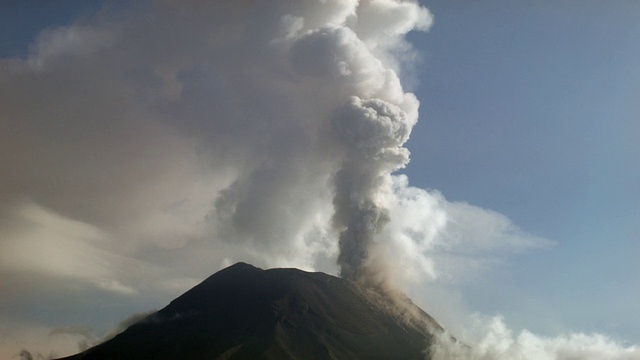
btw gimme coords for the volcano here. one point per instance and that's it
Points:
(243, 312)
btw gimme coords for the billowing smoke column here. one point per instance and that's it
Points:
(372, 132)
(370, 120)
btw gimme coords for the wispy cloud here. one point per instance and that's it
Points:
(46, 244)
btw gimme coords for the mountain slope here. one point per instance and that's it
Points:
(243, 312)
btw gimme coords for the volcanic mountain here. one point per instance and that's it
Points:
(243, 312)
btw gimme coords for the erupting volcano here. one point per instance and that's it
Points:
(243, 312)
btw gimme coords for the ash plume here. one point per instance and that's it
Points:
(372, 133)
(371, 121)
(25, 355)
(269, 129)
(149, 144)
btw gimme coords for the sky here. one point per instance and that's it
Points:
(532, 110)
(147, 145)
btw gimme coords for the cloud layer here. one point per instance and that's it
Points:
(497, 342)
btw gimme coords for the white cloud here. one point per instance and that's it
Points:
(382, 22)
(495, 341)
(433, 239)
(42, 242)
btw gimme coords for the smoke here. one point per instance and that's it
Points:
(372, 132)
(90, 339)
(269, 130)
(145, 147)
(153, 144)
(25, 355)
(122, 326)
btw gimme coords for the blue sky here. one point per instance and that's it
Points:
(23, 20)
(531, 110)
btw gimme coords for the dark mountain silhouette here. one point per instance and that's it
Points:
(243, 312)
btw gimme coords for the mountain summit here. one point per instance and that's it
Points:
(243, 312)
